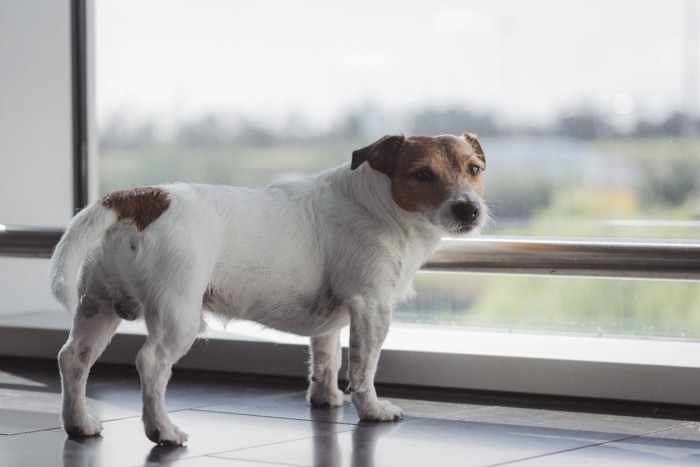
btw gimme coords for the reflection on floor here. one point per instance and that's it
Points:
(242, 421)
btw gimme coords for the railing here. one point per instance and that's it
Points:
(598, 257)
(653, 259)
(27, 241)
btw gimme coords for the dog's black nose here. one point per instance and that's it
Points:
(465, 212)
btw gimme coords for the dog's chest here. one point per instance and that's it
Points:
(415, 255)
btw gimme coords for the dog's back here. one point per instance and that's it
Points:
(260, 250)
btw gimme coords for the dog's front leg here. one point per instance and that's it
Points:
(326, 355)
(368, 328)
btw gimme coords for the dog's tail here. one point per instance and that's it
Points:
(82, 232)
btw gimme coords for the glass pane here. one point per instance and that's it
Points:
(587, 112)
(639, 308)
(587, 109)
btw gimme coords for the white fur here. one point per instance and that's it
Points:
(307, 257)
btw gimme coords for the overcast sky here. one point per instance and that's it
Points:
(526, 59)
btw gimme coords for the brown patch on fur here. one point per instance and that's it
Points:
(140, 206)
(449, 159)
(381, 155)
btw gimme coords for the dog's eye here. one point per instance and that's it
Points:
(474, 169)
(424, 175)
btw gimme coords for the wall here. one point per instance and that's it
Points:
(35, 137)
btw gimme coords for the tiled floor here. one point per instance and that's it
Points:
(256, 423)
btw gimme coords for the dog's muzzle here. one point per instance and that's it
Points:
(466, 214)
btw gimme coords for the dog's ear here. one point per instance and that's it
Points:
(474, 143)
(381, 154)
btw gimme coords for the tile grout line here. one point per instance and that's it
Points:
(60, 427)
(215, 454)
(549, 454)
(274, 416)
(684, 425)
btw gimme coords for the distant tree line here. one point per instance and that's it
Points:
(120, 131)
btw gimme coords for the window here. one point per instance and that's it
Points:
(586, 111)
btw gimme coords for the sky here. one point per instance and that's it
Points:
(315, 59)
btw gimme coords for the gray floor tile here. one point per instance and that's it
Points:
(46, 448)
(441, 410)
(13, 422)
(209, 461)
(616, 426)
(421, 442)
(23, 411)
(678, 447)
(30, 398)
(235, 421)
(689, 431)
(184, 392)
(123, 442)
(293, 406)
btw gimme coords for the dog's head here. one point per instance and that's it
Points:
(439, 177)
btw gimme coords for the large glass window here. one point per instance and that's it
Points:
(586, 110)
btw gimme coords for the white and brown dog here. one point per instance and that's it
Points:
(307, 257)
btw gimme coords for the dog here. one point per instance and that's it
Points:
(309, 257)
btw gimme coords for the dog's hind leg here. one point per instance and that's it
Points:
(94, 325)
(172, 328)
(326, 355)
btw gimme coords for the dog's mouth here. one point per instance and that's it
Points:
(467, 228)
(461, 220)
(458, 228)
(451, 226)
(456, 219)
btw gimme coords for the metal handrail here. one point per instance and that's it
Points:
(586, 257)
(596, 257)
(32, 242)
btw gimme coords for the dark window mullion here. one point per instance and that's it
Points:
(79, 102)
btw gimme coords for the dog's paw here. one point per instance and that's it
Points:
(319, 396)
(379, 411)
(386, 412)
(167, 436)
(86, 426)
